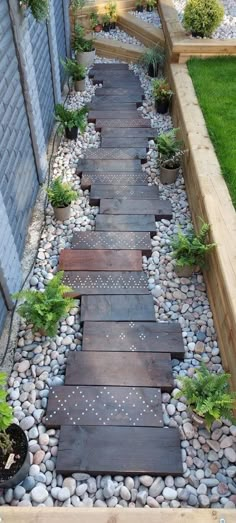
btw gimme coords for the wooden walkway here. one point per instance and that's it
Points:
(109, 409)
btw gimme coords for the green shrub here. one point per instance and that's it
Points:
(161, 90)
(45, 309)
(111, 10)
(6, 416)
(203, 16)
(169, 149)
(190, 249)
(153, 56)
(73, 69)
(61, 194)
(80, 44)
(94, 19)
(69, 119)
(151, 3)
(38, 8)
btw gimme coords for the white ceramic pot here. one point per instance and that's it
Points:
(62, 213)
(80, 85)
(86, 58)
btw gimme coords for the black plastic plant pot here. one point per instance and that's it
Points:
(195, 34)
(162, 106)
(139, 8)
(149, 8)
(71, 134)
(14, 467)
(153, 72)
(113, 25)
(106, 28)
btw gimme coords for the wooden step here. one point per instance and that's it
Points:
(118, 107)
(100, 101)
(109, 178)
(94, 115)
(144, 32)
(161, 209)
(108, 67)
(117, 308)
(134, 337)
(121, 369)
(138, 192)
(112, 240)
(130, 122)
(103, 260)
(124, 142)
(119, 450)
(131, 83)
(104, 406)
(120, 91)
(116, 153)
(126, 223)
(122, 51)
(131, 132)
(86, 283)
(109, 165)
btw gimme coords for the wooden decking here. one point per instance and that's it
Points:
(109, 409)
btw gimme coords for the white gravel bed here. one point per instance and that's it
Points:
(150, 17)
(119, 35)
(209, 458)
(227, 28)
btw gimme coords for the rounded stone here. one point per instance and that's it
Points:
(129, 483)
(169, 493)
(19, 492)
(81, 489)
(70, 483)
(230, 454)
(63, 494)
(44, 439)
(39, 493)
(125, 493)
(151, 502)
(27, 423)
(189, 430)
(156, 488)
(23, 366)
(147, 481)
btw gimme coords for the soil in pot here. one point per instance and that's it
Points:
(80, 85)
(162, 106)
(168, 175)
(17, 472)
(71, 134)
(86, 58)
(62, 213)
(106, 28)
(152, 72)
(186, 271)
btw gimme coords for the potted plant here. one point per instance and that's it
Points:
(169, 155)
(111, 10)
(61, 195)
(83, 47)
(152, 59)
(162, 95)
(77, 72)
(14, 454)
(71, 121)
(94, 21)
(44, 309)
(208, 396)
(139, 6)
(106, 23)
(150, 5)
(190, 250)
(202, 17)
(38, 8)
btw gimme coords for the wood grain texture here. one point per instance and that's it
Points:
(132, 106)
(111, 178)
(102, 260)
(93, 115)
(126, 222)
(109, 166)
(99, 192)
(116, 153)
(116, 122)
(117, 308)
(159, 208)
(131, 132)
(124, 142)
(112, 240)
(124, 90)
(116, 100)
(115, 282)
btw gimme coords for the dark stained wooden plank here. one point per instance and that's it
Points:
(119, 191)
(102, 260)
(112, 240)
(119, 450)
(116, 100)
(121, 369)
(130, 132)
(109, 165)
(134, 337)
(124, 142)
(104, 406)
(93, 115)
(128, 222)
(121, 91)
(86, 283)
(117, 308)
(116, 153)
(118, 107)
(137, 178)
(127, 82)
(122, 122)
(159, 208)
(109, 67)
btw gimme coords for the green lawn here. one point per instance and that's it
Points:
(214, 80)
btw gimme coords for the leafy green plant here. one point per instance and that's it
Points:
(106, 19)
(61, 194)
(70, 119)
(208, 395)
(94, 19)
(151, 3)
(111, 10)
(45, 309)
(153, 57)
(191, 249)
(161, 90)
(77, 4)
(169, 149)
(38, 8)
(73, 69)
(203, 16)
(80, 43)
(6, 416)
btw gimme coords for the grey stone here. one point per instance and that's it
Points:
(92, 486)
(27, 423)
(125, 493)
(19, 492)
(100, 504)
(39, 494)
(70, 483)
(192, 500)
(169, 493)
(156, 488)
(112, 502)
(230, 454)
(189, 430)
(146, 480)
(109, 489)
(153, 503)
(142, 497)
(63, 494)
(81, 489)
(129, 483)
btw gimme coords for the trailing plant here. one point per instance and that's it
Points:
(6, 416)
(94, 19)
(153, 56)
(73, 69)
(203, 16)
(161, 89)
(208, 395)
(61, 194)
(80, 44)
(169, 149)
(45, 309)
(111, 10)
(191, 249)
(69, 119)
(38, 8)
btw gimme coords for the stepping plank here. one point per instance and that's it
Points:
(121, 369)
(109, 165)
(117, 308)
(104, 406)
(93, 115)
(124, 142)
(118, 107)
(104, 260)
(131, 98)
(119, 450)
(116, 153)
(112, 240)
(134, 223)
(130, 132)
(120, 91)
(109, 67)
(159, 208)
(134, 337)
(137, 178)
(127, 83)
(131, 122)
(119, 191)
(86, 283)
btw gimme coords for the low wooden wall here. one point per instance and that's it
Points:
(181, 47)
(119, 50)
(209, 198)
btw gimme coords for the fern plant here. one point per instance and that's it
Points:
(6, 416)
(208, 395)
(70, 119)
(169, 149)
(38, 8)
(191, 249)
(73, 69)
(45, 309)
(60, 194)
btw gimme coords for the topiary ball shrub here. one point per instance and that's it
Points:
(202, 17)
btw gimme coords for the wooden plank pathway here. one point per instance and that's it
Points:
(109, 409)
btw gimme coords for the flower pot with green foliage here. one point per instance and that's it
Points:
(77, 72)
(162, 95)
(152, 59)
(208, 396)
(14, 453)
(71, 121)
(61, 195)
(83, 47)
(44, 309)
(150, 5)
(169, 155)
(190, 250)
(111, 11)
(202, 17)
(95, 22)
(140, 6)
(39, 8)
(106, 23)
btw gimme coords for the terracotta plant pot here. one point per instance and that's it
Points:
(80, 85)
(10, 477)
(62, 213)
(71, 134)
(186, 271)
(162, 106)
(168, 175)
(98, 28)
(86, 58)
